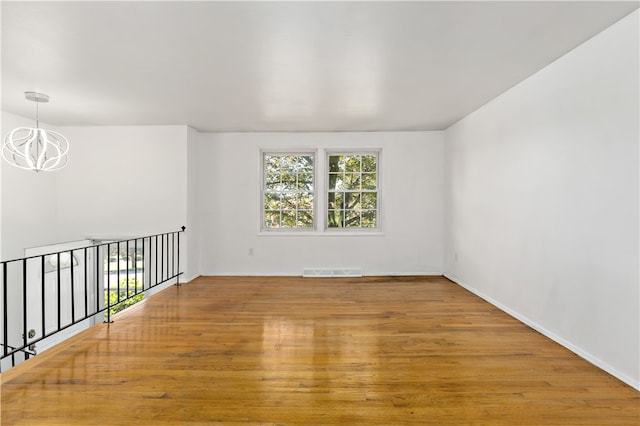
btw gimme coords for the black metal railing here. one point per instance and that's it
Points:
(47, 294)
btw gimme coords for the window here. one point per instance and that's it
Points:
(288, 199)
(352, 200)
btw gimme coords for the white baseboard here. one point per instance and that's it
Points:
(184, 279)
(551, 335)
(299, 274)
(405, 274)
(251, 274)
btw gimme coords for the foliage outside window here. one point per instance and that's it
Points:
(119, 262)
(288, 191)
(353, 191)
(130, 293)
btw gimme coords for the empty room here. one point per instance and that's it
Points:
(320, 213)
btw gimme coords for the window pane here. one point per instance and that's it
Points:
(369, 181)
(305, 181)
(336, 163)
(369, 219)
(305, 201)
(288, 190)
(336, 200)
(272, 181)
(352, 181)
(369, 200)
(288, 200)
(305, 219)
(288, 219)
(288, 163)
(272, 201)
(288, 181)
(352, 219)
(352, 163)
(369, 163)
(306, 163)
(336, 182)
(272, 164)
(271, 219)
(352, 198)
(335, 218)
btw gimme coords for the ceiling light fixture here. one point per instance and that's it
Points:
(35, 149)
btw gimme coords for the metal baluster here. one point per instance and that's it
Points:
(73, 291)
(178, 263)
(59, 293)
(5, 305)
(173, 253)
(44, 294)
(135, 264)
(143, 264)
(127, 248)
(24, 303)
(156, 277)
(107, 301)
(161, 258)
(95, 261)
(86, 288)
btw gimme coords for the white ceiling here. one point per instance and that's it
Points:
(282, 66)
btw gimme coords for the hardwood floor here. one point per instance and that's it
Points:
(293, 351)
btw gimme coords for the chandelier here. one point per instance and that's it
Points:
(35, 148)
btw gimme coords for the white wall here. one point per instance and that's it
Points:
(412, 184)
(28, 218)
(120, 182)
(123, 181)
(542, 201)
(192, 257)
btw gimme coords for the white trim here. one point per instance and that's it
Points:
(252, 274)
(157, 289)
(406, 274)
(372, 232)
(287, 151)
(299, 274)
(378, 191)
(551, 335)
(56, 247)
(184, 280)
(320, 200)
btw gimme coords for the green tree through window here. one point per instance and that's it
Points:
(353, 191)
(288, 191)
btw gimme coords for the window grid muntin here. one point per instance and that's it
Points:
(336, 192)
(294, 181)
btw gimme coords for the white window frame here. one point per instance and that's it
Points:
(325, 208)
(294, 151)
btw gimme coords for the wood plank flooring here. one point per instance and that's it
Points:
(293, 351)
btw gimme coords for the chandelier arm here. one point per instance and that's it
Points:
(62, 142)
(27, 150)
(41, 142)
(20, 141)
(55, 158)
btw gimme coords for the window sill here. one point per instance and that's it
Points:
(328, 233)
